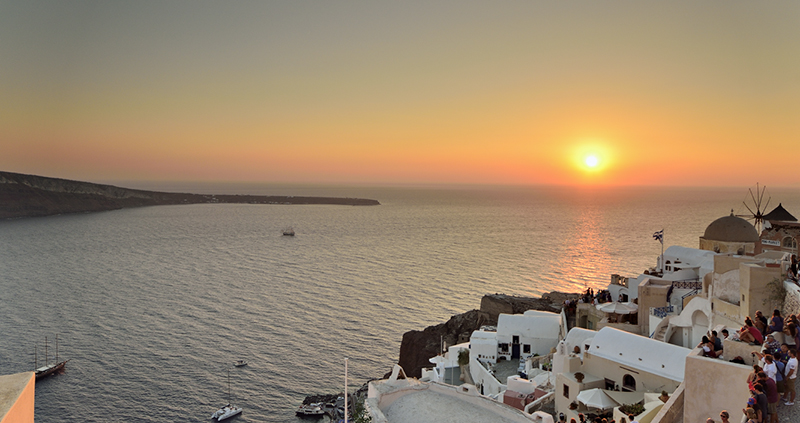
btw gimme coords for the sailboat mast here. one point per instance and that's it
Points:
(56, 348)
(35, 357)
(229, 386)
(45, 351)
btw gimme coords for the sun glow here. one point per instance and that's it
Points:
(592, 159)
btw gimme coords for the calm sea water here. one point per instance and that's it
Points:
(153, 305)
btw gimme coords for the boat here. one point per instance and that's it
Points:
(240, 363)
(310, 410)
(288, 232)
(228, 410)
(225, 412)
(47, 369)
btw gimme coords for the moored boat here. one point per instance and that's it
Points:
(47, 369)
(225, 412)
(310, 410)
(228, 410)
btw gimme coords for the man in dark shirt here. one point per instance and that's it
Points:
(771, 391)
(761, 402)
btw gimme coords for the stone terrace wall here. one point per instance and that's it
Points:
(713, 385)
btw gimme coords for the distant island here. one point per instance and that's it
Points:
(32, 196)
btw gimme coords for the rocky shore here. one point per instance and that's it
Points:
(418, 346)
(32, 196)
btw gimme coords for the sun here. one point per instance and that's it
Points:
(592, 161)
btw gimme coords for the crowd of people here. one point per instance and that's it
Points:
(590, 297)
(774, 376)
(771, 334)
(583, 419)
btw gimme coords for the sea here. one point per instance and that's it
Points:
(153, 305)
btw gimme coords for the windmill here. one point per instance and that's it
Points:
(757, 207)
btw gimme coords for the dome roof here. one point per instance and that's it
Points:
(731, 229)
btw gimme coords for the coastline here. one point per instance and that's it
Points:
(37, 196)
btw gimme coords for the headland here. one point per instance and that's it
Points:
(34, 196)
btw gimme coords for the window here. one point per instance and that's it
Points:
(526, 349)
(628, 383)
(566, 391)
(515, 339)
(789, 242)
(504, 348)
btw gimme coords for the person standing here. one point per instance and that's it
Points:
(771, 391)
(768, 364)
(791, 376)
(761, 402)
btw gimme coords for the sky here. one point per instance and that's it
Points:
(679, 93)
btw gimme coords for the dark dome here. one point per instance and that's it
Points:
(731, 229)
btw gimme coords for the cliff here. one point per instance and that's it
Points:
(418, 346)
(30, 196)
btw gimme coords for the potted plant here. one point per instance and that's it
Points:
(579, 377)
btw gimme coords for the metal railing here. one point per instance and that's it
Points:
(688, 284)
(661, 312)
(690, 293)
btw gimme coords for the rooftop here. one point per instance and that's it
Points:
(656, 357)
(421, 402)
(731, 229)
(12, 388)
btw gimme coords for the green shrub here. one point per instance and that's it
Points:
(463, 357)
(635, 409)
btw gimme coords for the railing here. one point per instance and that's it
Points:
(688, 284)
(693, 284)
(661, 312)
(690, 293)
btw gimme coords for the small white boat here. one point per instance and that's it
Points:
(226, 412)
(313, 409)
(240, 363)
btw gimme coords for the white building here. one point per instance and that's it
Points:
(680, 264)
(518, 335)
(614, 360)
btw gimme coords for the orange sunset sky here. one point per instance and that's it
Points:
(660, 93)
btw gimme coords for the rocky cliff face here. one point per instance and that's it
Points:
(418, 346)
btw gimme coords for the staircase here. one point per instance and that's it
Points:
(661, 330)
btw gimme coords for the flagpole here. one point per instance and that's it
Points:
(659, 236)
(662, 252)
